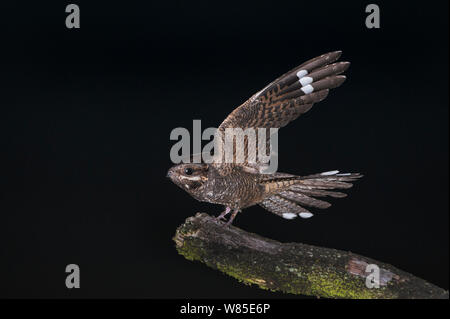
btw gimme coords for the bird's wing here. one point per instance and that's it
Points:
(279, 103)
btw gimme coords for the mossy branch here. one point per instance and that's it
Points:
(293, 267)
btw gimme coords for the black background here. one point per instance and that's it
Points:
(86, 115)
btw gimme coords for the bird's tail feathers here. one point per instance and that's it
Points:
(294, 192)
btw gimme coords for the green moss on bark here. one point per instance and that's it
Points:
(293, 267)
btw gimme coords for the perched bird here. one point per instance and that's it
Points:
(241, 185)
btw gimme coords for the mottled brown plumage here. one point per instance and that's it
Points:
(240, 185)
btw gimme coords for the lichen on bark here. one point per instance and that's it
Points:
(293, 267)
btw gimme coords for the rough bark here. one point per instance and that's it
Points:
(293, 267)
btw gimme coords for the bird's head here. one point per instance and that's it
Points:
(191, 177)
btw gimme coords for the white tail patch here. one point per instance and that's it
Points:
(305, 215)
(329, 173)
(289, 215)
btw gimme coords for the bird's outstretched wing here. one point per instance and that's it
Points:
(279, 103)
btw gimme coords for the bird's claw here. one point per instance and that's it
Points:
(223, 214)
(228, 223)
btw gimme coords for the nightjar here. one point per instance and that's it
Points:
(241, 185)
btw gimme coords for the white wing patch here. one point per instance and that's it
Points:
(306, 80)
(307, 89)
(301, 73)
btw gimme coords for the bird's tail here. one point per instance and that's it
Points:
(294, 192)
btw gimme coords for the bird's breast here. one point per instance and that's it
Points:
(234, 190)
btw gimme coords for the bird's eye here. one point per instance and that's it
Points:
(188, 171)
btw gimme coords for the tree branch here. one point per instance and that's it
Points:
(293, 267)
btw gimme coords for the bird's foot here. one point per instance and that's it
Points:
(230, 221)
(223, 214)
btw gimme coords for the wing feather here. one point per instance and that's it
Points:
(279, 103)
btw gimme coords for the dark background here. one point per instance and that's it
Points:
(86, 115)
